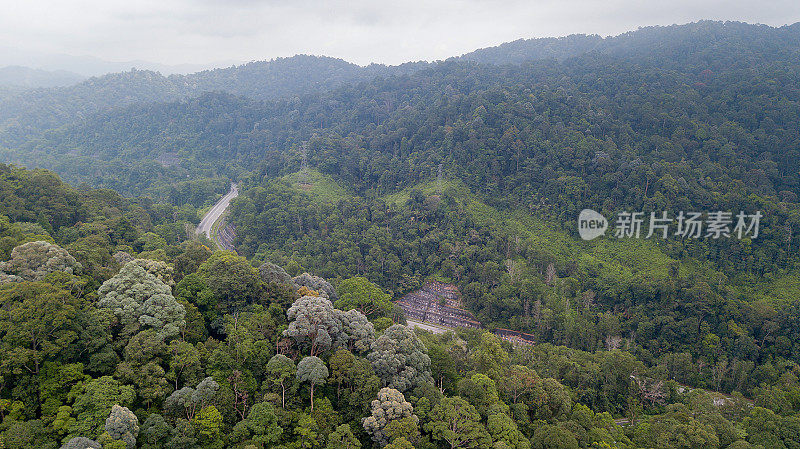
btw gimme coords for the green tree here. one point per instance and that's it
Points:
(142, 366)
(443, 367)
(481, 392)
(343, 438)
(503, 429)
(37, 324)
(456, 422)
(307, 433)
(30, 434)
(184, 363)
(490, 356)
(356, 382)
(231, 283)
(326, 417)
(208, 424)
(360, 294)
(260, 426)
(279, 372)
(517, 382)
(399, 443)
(549, 436)
(187, 401)
(312, 370)
(184, 435)
(391, 406)
(342, 363)
(195, 329)
(400, 359)
(121, 425)
(139, 299)
(549, 400)
(94, 404)
(676, 428)
(154, 432)
(193, 254)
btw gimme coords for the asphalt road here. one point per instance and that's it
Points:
(216, 212)
(435, 329)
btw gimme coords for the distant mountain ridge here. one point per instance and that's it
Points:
(707, 38)
(26, 113)
(604, 91)
(713, 44)
(285, 77)
(26, 77)
(88, 66)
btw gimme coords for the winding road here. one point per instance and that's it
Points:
(215, 213)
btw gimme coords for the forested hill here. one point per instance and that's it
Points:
(26, 113)
(26, 77)
(545, 138)
(519, 133)
(716, 44)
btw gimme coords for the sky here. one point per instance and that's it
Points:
(221, 32)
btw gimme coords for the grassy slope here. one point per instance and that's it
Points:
(620, 262)
(318, 186)
(614, 262)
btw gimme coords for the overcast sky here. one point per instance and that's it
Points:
(360, 31)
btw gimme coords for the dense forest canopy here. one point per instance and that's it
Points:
(359, 184)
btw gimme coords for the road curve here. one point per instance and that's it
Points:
(216, 212)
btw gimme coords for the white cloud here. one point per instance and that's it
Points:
(361, 31)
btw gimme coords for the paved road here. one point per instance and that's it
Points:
(216, 212)
(425, 326)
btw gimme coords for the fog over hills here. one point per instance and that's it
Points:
(87, 66)
(718, 44)
(26, 77)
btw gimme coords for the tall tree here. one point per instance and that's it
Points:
(313, 323)
(33, 261)
(360, 294)
(356, 333)
(390, 407)
(343, 438)
(280, 369)
(400, 359)
(312, 370)
(37, 323)
(121, 425)
(260, 426)
(140, 299)
(456, 421)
